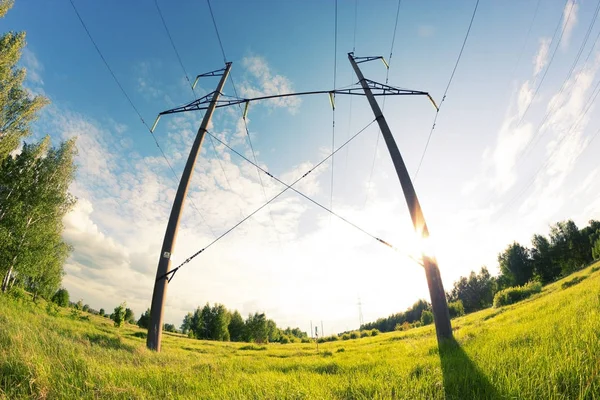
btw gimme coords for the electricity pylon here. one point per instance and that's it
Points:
(441, 315)
(154, 339)
(209, 103)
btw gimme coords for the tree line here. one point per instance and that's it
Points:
(563, 251)
(219, 323)
(34, 183)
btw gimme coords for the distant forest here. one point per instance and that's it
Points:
(565, 250)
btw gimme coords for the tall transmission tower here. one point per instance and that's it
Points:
(209, 103)
(437, 294)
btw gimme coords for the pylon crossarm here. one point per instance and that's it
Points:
(379, 89)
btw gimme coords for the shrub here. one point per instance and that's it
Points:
(354, 335)
(321, 340)
(305, 340)
(365, 333)
(572, 282)
(375, 332)
(456, 308)
(332, 338)
(61, 297)
(52, 309)
(86, 308)
(403, 326)
(340, 350)
(596, 268)
(284, 339)
(346, 336)
(426, 317)
(119, 315)
(515, 294)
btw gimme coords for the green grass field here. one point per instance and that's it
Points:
(546, 347)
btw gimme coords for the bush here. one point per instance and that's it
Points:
(354, 335)
(403, 326)
(426, 317)
(515, 294)
(365, 333)
(375, 332)
(456, 308)
(572, 282)
(305, 340)
(52, 309)
(340, 350)
(284, 339)
(346, 336)
(119, 315)
(61, 297)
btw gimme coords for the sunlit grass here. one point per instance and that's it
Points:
(545, 347)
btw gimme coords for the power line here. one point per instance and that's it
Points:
(243, 116)
(173, 45)
(217, 156)
(564, 83)
(133, 106)
(550, 61)
(333, 102)
(590, 101)
(446, 91)
(387, 75)
(169, 275)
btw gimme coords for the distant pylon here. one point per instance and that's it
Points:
(361, 321)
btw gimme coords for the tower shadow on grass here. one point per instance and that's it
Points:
(462, 378)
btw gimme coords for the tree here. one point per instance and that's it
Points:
(426, 317)
(61, 297)
(144, 320)
(18, 108)
(129, 316)
(273, 332)
(79, 305)
(236, 327)
(118, 316)
(515, 264)
(256, 328)
(86, 308)
(186, 325)
(475, 292)
(169, 328)
(544, 265)
(570, 248)
(101, 312)
(34, 198)
(596, 250)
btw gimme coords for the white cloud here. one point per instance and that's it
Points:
(541, 58)
(426, 31)
(264, 82)
(569, 21)
(33, 66)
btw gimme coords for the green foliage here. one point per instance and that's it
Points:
(374, 332)
(236, 327)
(365, 334)
(354, 335)
(426, 317)
(572, 282)
(390, 323)
(515, 264)
(475, 292)
(346, 336)
(456, 308)
(129, 316)
(169, 328)
(79, 305)
(52, 309)
(515, 294)
(144, 321)
(596, 250)
(17, 107)
(101, 312)
(61, 297)
(118, 316)
(86, 308)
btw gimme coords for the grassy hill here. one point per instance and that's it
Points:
(546, 347)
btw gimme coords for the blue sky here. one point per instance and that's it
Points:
(479, 184)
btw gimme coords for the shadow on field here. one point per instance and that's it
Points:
(462, 378)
